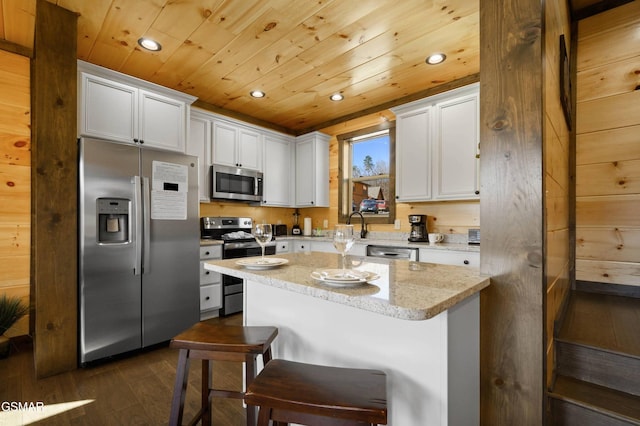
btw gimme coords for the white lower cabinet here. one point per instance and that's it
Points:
(358, 249)
(450, 257)
(301, 246)
(283, 246)
(210, 283)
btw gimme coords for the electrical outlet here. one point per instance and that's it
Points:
(325, 223)
(396, 224)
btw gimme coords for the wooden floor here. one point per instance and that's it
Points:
(604, 321)
(135, 390)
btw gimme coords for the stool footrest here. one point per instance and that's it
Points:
(221, 393)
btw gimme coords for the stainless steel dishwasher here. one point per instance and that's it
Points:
(392, 252)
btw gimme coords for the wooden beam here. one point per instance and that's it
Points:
(512, 353)
(54, 251)
(16, 48)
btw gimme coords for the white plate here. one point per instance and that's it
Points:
(337, 277)
(258, 263)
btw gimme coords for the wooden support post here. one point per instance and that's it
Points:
(54, 174)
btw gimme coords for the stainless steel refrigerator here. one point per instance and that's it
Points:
(139, 247)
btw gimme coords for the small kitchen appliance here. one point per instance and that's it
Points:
(296, 228)
(235, 183)
(419, 233)
(237, 242)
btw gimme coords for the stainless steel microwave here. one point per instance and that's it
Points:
(234, 183)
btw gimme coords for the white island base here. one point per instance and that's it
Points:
(432, 365)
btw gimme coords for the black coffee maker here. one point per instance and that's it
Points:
(419, 233)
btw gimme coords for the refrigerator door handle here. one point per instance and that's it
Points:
(146, 255)
(137, 185)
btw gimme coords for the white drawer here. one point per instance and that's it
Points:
(210, 297)
(211, 252)
(300, 246)
(208, 277)
(282, 246)
(450, 257)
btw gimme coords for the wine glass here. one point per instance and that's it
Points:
(262, 233)
(343, 241)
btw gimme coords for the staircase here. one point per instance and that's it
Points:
(598, 360)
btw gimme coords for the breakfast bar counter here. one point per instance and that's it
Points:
(419, 322)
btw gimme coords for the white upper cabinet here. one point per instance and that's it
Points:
(456, 149)
(413, 155)
(312, 170)
(117, 107)
(199, 144)
(278, 171)
(222, 140)
(236, 145)
(437, 147)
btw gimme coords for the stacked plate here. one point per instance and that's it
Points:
(343, 278)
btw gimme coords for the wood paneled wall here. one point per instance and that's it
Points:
(608, 147)
(558, 167)
(15, 182)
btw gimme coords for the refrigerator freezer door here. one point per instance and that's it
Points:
(171, 280)
(109, 290)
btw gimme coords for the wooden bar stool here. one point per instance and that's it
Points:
(314, 395)
(218, 343)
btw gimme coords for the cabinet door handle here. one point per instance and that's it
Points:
(207, 298)
(207, 253)
(207, 272)
(136, 140)
(477, 192)
(466, 262)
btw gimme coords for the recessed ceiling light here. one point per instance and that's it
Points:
(149, 44)
(257, 94)
(336, 97)
(436, 58)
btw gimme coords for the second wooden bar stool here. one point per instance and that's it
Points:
(218, 343)
(314, 395)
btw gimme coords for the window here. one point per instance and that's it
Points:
(367, 173)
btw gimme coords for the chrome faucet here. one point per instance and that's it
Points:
(363, 229)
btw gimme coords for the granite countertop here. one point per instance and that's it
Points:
(405, 290)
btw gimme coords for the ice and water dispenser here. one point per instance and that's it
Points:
(114, 215)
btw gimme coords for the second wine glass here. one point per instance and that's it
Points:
(343, 241)
(262, 233)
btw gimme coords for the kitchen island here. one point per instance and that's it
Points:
(419, 322)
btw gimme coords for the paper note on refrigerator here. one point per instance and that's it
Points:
(169, 190)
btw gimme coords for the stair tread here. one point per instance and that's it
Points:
(603, 321)
(598, 398)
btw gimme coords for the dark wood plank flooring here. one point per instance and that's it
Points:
(134, 390)
(603, 321)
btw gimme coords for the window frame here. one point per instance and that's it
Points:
(344, 141)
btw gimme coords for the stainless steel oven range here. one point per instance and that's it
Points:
(235, 233)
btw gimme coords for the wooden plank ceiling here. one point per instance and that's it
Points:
(298, 51)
